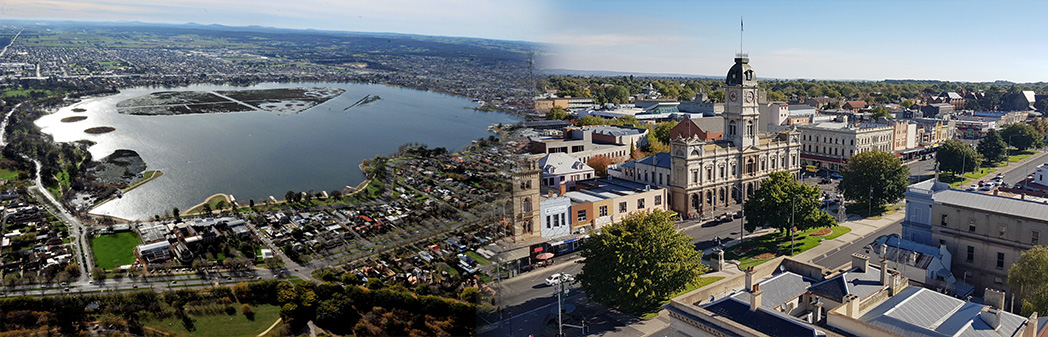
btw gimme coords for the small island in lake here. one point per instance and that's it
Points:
(367, 99)
(73, 119)
(79, 109)
(100, 130)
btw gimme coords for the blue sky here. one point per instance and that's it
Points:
(870, 40)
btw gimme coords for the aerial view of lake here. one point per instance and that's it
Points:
(257, 154)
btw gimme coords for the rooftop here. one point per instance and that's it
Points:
(768, 323)
(852, 282)
(996, 204)
(921, 312)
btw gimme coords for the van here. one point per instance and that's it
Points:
(811, 168)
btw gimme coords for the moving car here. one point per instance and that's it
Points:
(557, 278)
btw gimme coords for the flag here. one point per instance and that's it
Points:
(742, 26)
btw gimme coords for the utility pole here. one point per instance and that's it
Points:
(793, 209)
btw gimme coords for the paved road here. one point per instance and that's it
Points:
(843, 255)
(1016, 173)
(76, 229)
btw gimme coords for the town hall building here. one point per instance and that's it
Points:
(707, 172)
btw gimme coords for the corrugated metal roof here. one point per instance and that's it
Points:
(766, 322)
(994, 204)
(778, 289)
(921, 312)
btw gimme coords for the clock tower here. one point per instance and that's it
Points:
(741, 113)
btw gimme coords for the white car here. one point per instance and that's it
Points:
(557, 278)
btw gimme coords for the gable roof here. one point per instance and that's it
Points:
(660, 159)
(921, 312)
(708, 128)
(992, 203)
(850, 282)
(856, 104)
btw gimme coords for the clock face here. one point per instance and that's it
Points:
(732, 96)
(749, 96)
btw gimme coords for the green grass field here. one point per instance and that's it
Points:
(114, 250)
(8, 174)
(222, 325)
(777, 244)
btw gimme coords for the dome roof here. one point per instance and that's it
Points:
(741, 73)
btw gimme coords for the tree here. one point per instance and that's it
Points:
(289, 197)
(992, 147)
(775, 96)
(206, 209)
(637, 264)
(251, 203)
(780, 197)
(98, 273)
(248, 311)
(972, 105)
(174, 212)
(875, 178)
(591, 120)
(557, 113)
(957, 157)
(662, 131)
(907, 103)
(221, 204)
(1028, 278)
(880, 112)
(1022, 136)
(470, 295)
(1040, 123)
(599, 163)
(336, 195)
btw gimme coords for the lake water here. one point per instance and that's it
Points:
(253, 155)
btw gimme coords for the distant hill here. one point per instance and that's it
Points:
(575, 72)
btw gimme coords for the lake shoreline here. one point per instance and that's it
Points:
(403, 105)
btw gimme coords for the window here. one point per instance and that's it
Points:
(971, 225)
(604, 210)
(622, 207)
(640, 203)
(1035, 237)
(709, 173)
(1001, 230)
(660, 178)
(658, 200)
(971, 254)
(944, 222)
(582, 215)
(695, 176)
(942, 242)
(1000, 260)
(577, 148)
(548, 224)
(527, 205)
(556, 221)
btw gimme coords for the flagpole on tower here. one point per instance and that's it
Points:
(742, 28)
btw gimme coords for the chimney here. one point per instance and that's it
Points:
(563, 189)
(884, 271)
(994, 298)
(991, 317)
(749, 279)
(1031, 326)
(755, 297)
(860, 262)
(851, 306)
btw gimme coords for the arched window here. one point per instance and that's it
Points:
(731, 128)
(527, 205)
(749, 128)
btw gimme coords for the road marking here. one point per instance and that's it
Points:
(543, 307)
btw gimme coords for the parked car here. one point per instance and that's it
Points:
(557, 278)
(982, 183)
(973, 188)
(836, 175)
(466, 267)
(998, 177)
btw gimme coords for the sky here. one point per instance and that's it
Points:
(854, 40)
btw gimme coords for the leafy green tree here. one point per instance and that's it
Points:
(972, 105)
(1022, 136)
(221, 204)
(907, 103)
(957, 157)
(590, 120)
(557, 113)
(781, 196)
(992, 147)
(174, 211)
(1042, 105)
(662, 131)
(470, 295)
(717, 95)
(637, 264)
(832, 105)
(206, 209)
(775, 96)
(1028, 278)
(1040, 123)
(874, 177)
(880, 112)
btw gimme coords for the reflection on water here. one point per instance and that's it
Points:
(253, 155)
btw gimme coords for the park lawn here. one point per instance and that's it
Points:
(8, 174)
(213, 201)
(773, 243)
(978, 174)
(114, 250)
(221, 325)
(1020, 155)
(699, 282)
